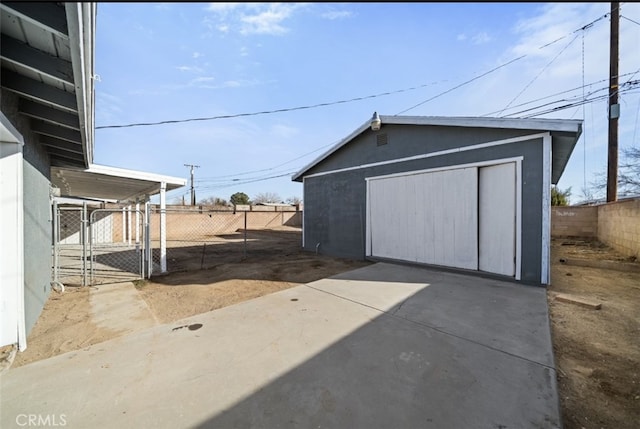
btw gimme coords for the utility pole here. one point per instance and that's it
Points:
(614, 107)
(193, 191)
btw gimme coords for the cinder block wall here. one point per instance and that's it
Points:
(619, 226)
(574, 222)
(189, 226)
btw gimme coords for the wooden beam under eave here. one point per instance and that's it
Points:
(48, 114)
(38, 91)
(61, 144)
(47, 129)
(23, 55)
(49, 16)
(69, 156)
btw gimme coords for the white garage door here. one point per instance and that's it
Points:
(497, 212)
(428, 217)
(462, 218)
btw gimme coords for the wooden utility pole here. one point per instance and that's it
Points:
(193, 190)
(614, 107)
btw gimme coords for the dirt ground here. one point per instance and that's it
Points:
(273, 261)
(597, 352)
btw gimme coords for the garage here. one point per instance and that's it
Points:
(458, 217)
(470, 194)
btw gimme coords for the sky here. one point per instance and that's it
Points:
(231, 62)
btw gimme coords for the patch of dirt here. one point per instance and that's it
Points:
(64, 325)
(597, 352)
(273, 261)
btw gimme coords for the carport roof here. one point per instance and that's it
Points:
(110, 183)
(564, 135)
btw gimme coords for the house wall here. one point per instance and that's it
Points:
(37, 214)
(574, 222)
(619, 226)
(335, 204)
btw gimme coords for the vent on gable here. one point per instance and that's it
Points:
(382, 139)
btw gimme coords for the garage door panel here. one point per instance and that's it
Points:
(497, 213)
(465, 236)
(430, 217)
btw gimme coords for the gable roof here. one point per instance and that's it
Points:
(564, 135)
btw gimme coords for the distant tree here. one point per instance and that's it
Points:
(213, 201)
(294, 200)
(560, 198)
(267, 197)
(628, 175)
(239, 198)
(177, 200)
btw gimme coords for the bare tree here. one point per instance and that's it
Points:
(294, 200)
(628, 175)
(213, 201)
(266, 197)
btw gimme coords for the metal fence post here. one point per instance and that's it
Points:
(163, 228)
(85, 229)
(245, 234)
(147, 238)
(56, 232)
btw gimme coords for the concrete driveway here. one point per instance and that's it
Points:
(385, 346)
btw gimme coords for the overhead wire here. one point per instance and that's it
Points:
(556, 94)
(271, 168)
(264, 112)
(503, 65)
(540, 73)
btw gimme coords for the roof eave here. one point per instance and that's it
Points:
(551, 125)
(81, 22)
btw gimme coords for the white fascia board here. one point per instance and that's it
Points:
(546, 125)
(81, 44)
(331, 150)
(79, 201)
(133, 174)
(8, 132)
(562, 125)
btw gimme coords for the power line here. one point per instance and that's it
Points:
(139, 124)
(503, 65)
(629, 19)
(460, 85)
(559, 93)
(271, 168)
(540, 73)
(264, 112)
(247, 181)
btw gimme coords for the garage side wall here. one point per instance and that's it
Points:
(37, 215)
(335, 203)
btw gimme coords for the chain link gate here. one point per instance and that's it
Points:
(98, 246)
(70, 246)
(116, 245)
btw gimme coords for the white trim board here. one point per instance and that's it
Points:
(546, 210)
(434, 154)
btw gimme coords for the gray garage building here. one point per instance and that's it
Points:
(457, 192)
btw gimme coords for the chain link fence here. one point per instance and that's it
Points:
(200, 237)
(106, 245)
